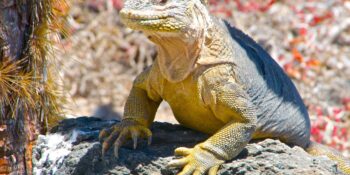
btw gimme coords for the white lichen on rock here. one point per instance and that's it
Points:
(53, 148)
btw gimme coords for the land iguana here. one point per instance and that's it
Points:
(217, 80)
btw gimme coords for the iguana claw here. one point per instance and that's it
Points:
(121, 132)
(196, 161)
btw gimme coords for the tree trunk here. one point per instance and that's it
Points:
(28, 99)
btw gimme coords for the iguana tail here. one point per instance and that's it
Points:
(317, 149)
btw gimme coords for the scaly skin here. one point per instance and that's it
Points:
(217, 80)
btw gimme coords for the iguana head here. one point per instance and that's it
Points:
(177, 27)
(165, 16)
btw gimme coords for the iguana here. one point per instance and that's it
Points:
(217, 80)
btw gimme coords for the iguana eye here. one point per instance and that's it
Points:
(163, 1)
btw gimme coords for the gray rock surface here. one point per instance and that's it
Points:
(72, 147)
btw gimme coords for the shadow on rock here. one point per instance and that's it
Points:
(72, 147)
(84, 157)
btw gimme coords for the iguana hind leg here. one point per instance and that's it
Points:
(317, 149)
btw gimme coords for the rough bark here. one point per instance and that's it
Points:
(14, 130)
(27, 94)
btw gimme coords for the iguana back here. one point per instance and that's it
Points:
(280, 109)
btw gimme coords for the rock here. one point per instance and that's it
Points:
(72, 147)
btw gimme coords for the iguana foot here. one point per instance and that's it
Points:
(196, 161)
(121, 132)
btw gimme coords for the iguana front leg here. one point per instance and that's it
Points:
(139, 114)
(228, 102)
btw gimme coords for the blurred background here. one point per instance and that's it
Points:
(309, 39)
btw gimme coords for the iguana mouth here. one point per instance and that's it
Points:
(145, 20)
(134, 15)
(140, 15)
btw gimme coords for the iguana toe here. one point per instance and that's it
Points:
(214, 170)
(196, 161)
(121, 132)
